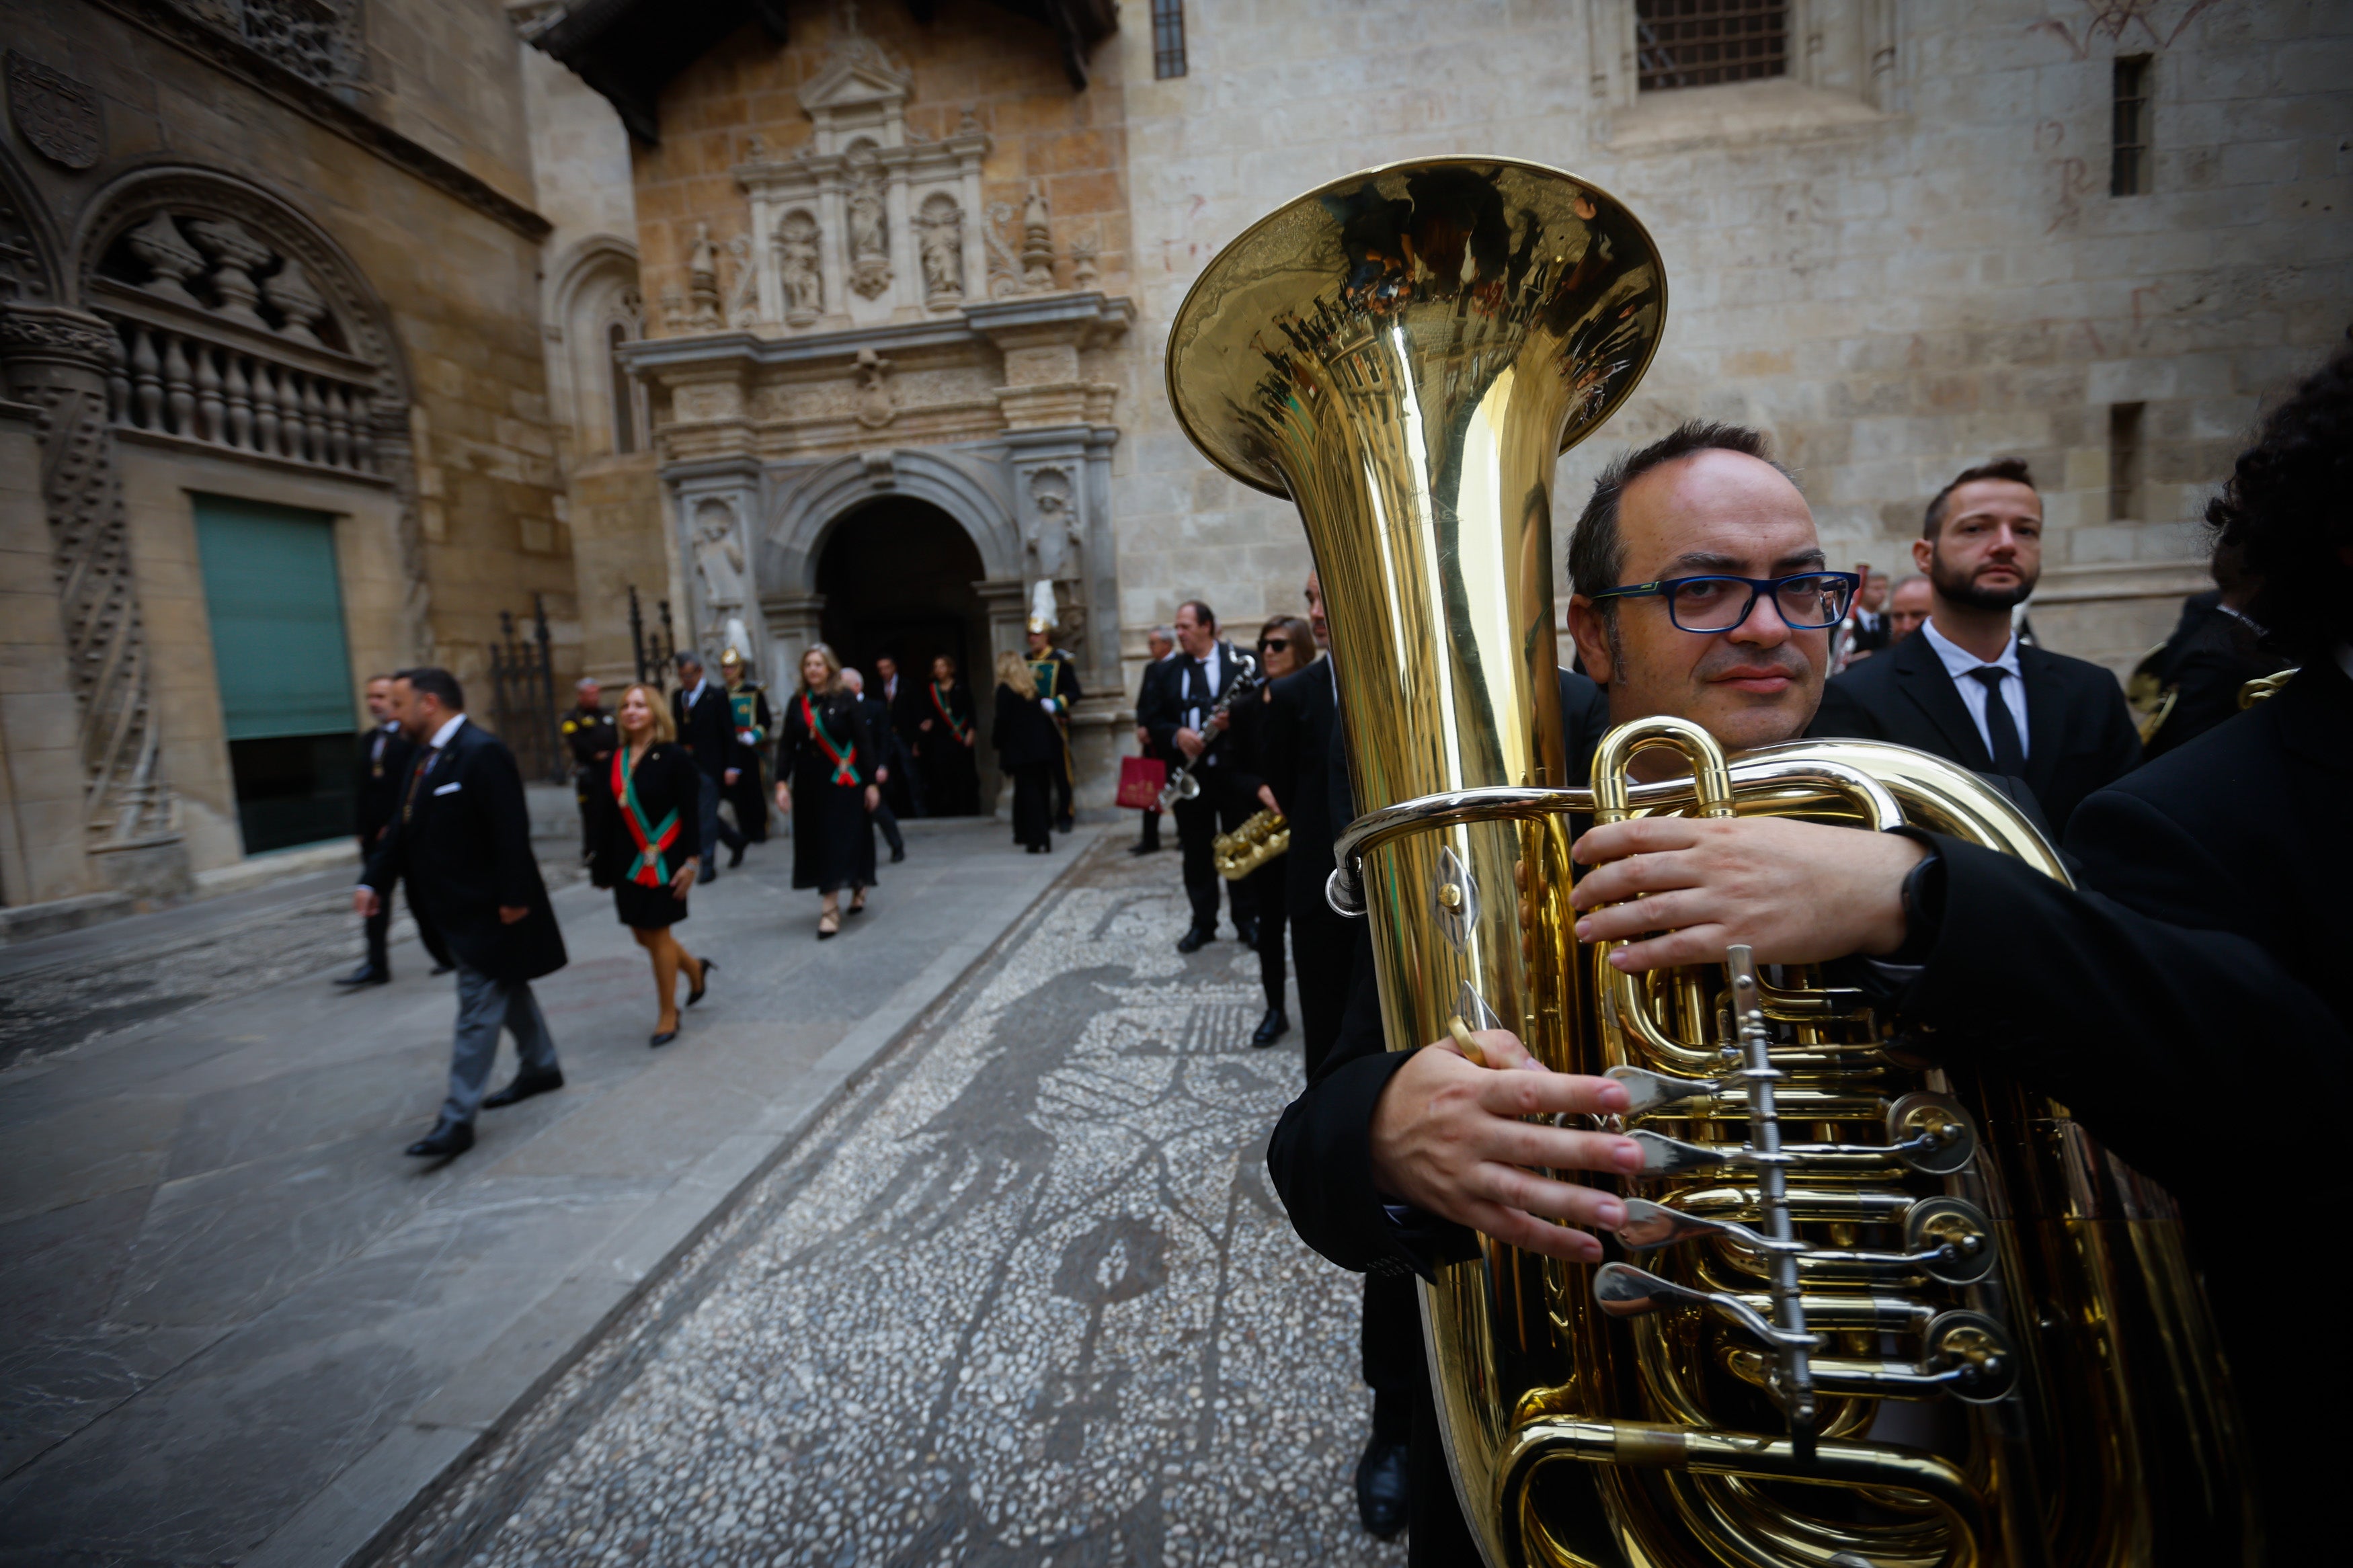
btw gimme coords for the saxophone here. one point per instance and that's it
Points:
(1866, 1309)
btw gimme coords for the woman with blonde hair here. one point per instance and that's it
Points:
(1028, 748)
(646, 806)
(828, 774)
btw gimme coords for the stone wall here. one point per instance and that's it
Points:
(42, 814)
(1896, 271)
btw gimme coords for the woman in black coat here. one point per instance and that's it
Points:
(827, 766)
(645, 810)
(1285, 644)
(1028, 748)
(945, 740)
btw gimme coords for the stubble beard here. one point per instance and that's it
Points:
(1952, 586)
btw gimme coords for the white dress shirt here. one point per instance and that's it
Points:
(1213, 671)
(1958, 661)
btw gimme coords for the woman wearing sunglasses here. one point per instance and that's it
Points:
(1285, 644)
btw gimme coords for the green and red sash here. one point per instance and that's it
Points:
(845, 763)
(959, 730)
(652, 868)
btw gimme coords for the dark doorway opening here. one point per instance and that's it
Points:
(898, 577)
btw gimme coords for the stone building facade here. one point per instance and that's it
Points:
(909, 271)
(276, 413)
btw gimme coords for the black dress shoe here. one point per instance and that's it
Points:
(366, 975)
(696, 995)
(1194, 941)
(1143, 849)
(1065, 824)
(1270, 1028)
(524, 1086)
(898, 854)
(441, 969)
(736, 856)
(446, 1140)
(659, 1041)
(1381, 1486)
(1247, 934)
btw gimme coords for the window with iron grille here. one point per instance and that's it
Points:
(1168, 38)
(1694, 43)
(2128, 161)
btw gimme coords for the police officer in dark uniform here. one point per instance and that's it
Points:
(1056, 675)
(747, 703)
(588, 731)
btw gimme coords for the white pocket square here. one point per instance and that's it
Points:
(448, 788)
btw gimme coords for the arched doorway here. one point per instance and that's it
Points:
(898, 576)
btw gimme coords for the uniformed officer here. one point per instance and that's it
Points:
(588, 731)
(747, 702)
(1056, 675)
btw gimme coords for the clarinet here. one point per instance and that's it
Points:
(1182, 785)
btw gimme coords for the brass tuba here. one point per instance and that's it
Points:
(1866, 1309)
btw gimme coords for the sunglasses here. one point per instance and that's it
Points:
(1277, 644)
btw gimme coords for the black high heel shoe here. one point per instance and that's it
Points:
(696, 995)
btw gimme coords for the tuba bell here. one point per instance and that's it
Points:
(1866, 1309)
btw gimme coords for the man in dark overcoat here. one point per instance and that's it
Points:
(706, 728)
(462, 837)
(379, 770)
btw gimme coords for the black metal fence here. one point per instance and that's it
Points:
(522, 697)
(653, 645)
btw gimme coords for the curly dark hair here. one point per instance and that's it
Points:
(2289, 508)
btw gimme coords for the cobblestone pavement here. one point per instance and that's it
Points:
(59, 1005)
(1024, 1298)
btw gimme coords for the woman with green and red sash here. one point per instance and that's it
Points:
(645, 807)
(944, 742)
(826, 782)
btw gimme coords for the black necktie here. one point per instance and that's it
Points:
(2008, 754)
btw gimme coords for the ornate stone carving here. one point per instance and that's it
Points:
(318, 40)
(874, 403)
(675, 315)
(1036, 243)
(290, 293)
(800, 271)
(1053, 536)
(236, 256)
(942, 228)
(58, 361)
(719, 563)
(744, 294)
(169, 257)
(1085, 272)
(870, 225)
(57, 115)
(703, 280)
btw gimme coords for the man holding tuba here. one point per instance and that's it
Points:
(1389, 1160)
(2203, 958)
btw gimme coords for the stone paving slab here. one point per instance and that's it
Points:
(237, 1325)
(1022, 1297)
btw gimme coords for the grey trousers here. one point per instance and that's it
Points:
(485, 1006)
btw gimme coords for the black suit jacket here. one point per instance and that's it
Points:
(665, 780)
(1168, 697)
(709, 731)
(2080, 734)
(2210, 655)
(462, 837)
(377, 780)
(888, 752)
(1148, 704)
(2182, 1006)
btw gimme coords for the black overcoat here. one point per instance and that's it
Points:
(708, 731)
(833, 837)
(462, 837)
(1024, 735)
(665, 780)
(380, 768)
(2080, 732)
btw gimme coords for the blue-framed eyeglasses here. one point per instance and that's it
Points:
(1808, 601)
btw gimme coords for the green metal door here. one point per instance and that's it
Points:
(283, 663)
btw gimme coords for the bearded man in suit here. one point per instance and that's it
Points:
(462, 838)
(1964, 687)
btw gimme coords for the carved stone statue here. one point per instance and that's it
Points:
(870, 226)
(875, 406)
(943, 246)
(800, 270)
(703, 278)
(1036, 243)
(718, 558)
(1055, 535)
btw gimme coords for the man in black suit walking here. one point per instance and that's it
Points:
(462, 837)
(1179, 722)
(706, 728)
(890, 760)
(1160, 643)
(1964, 687)
(382, 769)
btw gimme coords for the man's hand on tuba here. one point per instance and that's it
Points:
(1797, 892)
(1450, 1137)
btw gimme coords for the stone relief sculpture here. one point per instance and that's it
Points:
(743, 294)
(800, 270)
(869, 223)
(1083, 268)
(1054, 535)
(1036, 243)
(717, 559)
(875, 406)
(943, 246)
(703, 280)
